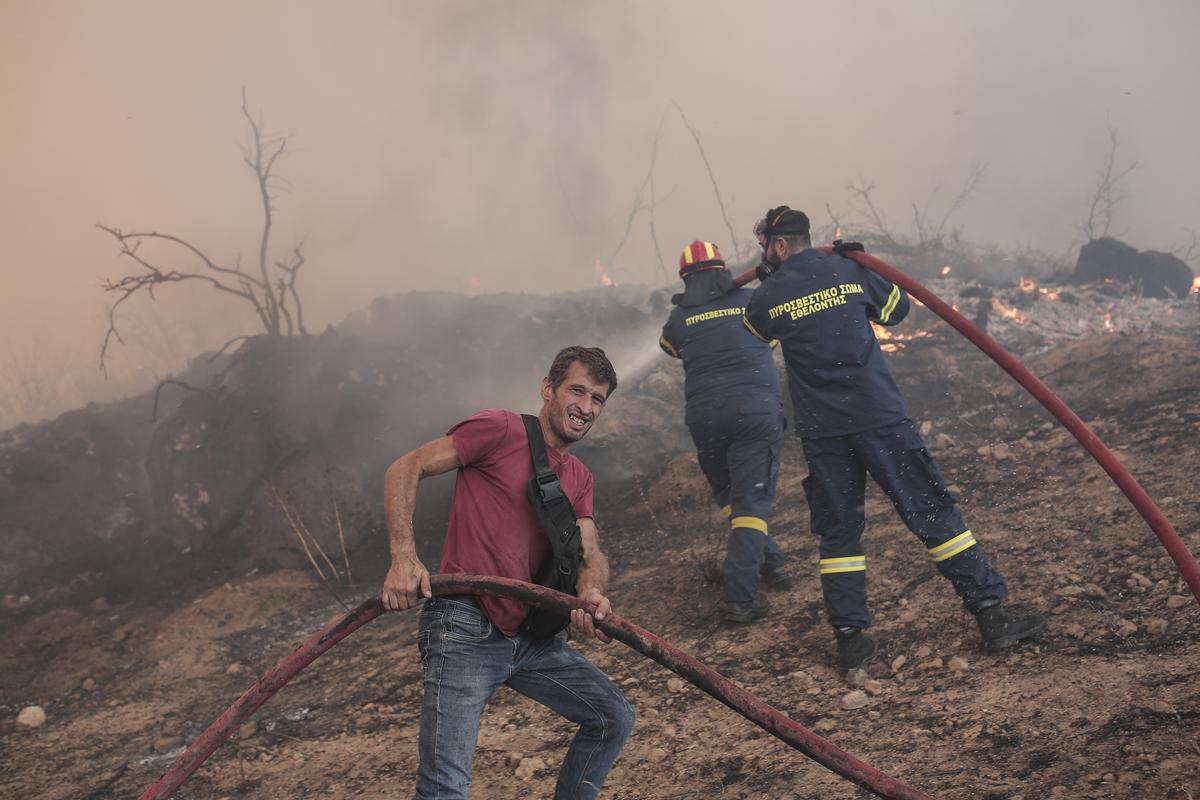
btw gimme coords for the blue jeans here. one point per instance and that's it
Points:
(465, 660)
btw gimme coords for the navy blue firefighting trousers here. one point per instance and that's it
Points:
(738, 443)
(896, 458)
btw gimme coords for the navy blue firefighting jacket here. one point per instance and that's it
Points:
(820, 306)
(720, 357)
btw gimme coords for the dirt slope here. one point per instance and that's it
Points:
(1108, 706)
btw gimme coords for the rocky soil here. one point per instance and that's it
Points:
(1107, 705)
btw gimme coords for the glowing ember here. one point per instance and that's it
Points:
(890, 341)
(602, 276)
(1196, 285)
(1109, 327)
(1048, 294)
(946, 270)
(1027, 284)
(1008, 312)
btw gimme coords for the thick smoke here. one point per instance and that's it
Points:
(491, 147)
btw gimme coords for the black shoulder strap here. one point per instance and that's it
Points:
(545, 482)
(560, 570)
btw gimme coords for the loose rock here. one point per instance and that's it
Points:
(855, 699)
(32, 717)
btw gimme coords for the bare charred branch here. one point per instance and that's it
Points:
(173, 382)
(737, 248)
(268, 294)
(262, 165)
(288, 288)
(974, 178)
(226, 346)
(879, 226)
(1107, 194)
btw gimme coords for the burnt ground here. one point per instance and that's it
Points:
(1106, 706)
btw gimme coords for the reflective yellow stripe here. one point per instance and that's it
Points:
(727, 510)
(893, 301)
(750, 328)
(774, 343)
(708, 251)
(844, 564)
(662, 340)
(749, 522)
(952, 547)
(687, 254)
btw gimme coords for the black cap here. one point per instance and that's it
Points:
(783, 221)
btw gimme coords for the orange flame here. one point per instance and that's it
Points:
(1027, 284)
(946, 270)
(1109, 327)
(602, 276)
(1008, 312)
(891, 341)
(1196, 285)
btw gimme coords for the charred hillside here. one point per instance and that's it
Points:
(1103, 707)
(273, 456)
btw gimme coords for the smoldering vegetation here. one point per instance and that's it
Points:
(273, 455)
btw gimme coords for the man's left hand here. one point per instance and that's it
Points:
(581, 620)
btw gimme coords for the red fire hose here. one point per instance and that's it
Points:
(1175, 546)
(646, 643)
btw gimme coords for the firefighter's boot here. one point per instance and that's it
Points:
(855, 648)
(779, 579)
(744, 613)
(1002, 628)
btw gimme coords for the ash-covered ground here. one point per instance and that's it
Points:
(1106, 706)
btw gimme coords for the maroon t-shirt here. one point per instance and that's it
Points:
(493, 527)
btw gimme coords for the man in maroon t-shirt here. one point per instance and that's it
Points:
(471, 646)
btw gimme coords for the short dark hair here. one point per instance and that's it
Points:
(594, 361)
(796, 242)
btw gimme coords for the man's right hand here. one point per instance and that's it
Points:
(406, 583)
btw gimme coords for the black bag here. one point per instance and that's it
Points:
(560, 570)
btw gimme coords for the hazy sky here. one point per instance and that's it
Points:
(490, 145)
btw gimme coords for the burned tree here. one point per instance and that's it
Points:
(1107, 194)
(270, 290)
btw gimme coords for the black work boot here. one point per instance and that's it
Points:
(743, 613)
(1001, 628)
(855, 648)
(778, 579)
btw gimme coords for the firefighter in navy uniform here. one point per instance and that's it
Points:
(735, 415)
(852, 422)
